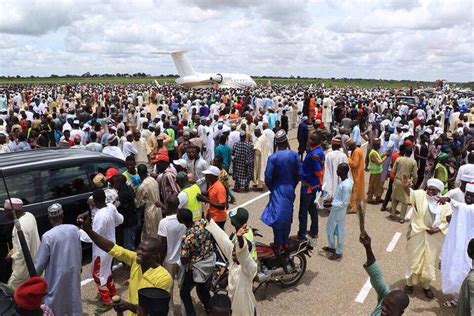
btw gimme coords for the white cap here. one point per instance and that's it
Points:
(436, 183)
(470, 187)
(86, 126)
(180, 162)
(55, 210)
(467, 177)
(213, 170)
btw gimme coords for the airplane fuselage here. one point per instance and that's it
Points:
(216, 80)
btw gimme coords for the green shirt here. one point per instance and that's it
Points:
(466, 296)
(170, 145)
(378, 283)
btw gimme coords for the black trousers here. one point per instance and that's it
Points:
(388, 195)
(185, 293)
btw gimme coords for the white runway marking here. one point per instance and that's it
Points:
(86, 281)
(393, 242)
(251, 201)
(364, 292)
(89, 280)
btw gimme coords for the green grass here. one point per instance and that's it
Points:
(363, 83)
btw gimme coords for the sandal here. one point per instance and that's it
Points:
(335, 256)
(402, 221)
(451, 303)
(408, 289)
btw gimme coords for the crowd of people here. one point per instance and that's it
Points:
(188, 152)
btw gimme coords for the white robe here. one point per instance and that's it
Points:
(240, 275)
(60, 257)
(455, 262)
(270, 135)
(30, 230)
(331, 180)
(104, 223)
(328, 105)
(261, 145)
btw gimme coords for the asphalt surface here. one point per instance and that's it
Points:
(328, 287)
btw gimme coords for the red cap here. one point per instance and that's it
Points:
(408, 142)
(110, 173)
(29, 295)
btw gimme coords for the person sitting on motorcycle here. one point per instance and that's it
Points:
(241, 255)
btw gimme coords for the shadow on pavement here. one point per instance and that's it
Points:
(273, 290)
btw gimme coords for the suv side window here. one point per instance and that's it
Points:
(101, 167)
(25, 186)
(64, 182)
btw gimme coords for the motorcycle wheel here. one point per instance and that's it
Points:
(299, 261)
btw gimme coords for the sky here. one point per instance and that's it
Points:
(379, 39)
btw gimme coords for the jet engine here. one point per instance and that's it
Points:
(217, 78)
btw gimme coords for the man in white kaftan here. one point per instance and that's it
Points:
(242, 269)
(455, 262)
(333, 159)
(261, 154)
(104, 222)
(30, 230)
(60, 258)
(328, 108)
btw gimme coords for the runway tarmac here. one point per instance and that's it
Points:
(328, 287)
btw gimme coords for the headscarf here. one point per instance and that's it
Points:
(433, 206)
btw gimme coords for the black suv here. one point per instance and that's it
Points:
(46, 176)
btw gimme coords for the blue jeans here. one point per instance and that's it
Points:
(129, 234)
(307, 206)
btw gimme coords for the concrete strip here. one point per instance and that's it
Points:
(393, 242)
(251, 201)
(364, 292)
(89, 280)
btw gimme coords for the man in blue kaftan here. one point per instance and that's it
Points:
(282, 174)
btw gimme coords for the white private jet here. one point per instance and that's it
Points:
(192, 79)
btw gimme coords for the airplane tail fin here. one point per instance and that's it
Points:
(183, 66)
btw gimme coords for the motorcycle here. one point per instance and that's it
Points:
(283, 268)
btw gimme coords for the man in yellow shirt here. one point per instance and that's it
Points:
(145, 269)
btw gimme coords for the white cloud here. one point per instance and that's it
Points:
(400, 39)
(35, 17)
